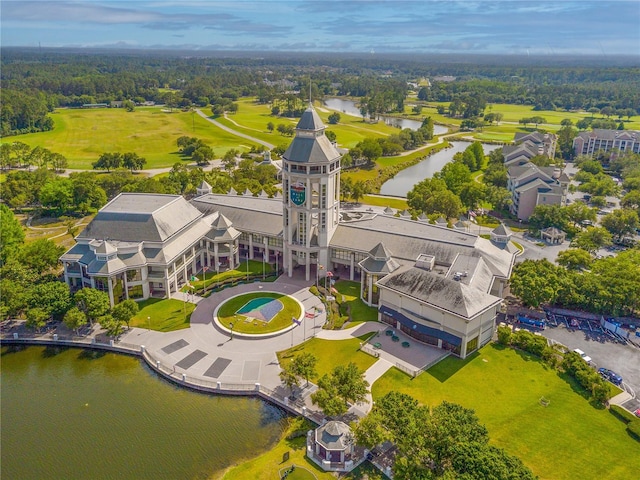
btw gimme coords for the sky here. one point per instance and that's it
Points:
(540, 27)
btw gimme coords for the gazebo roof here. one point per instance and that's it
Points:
(334, 435)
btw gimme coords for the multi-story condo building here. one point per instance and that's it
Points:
(588, 143)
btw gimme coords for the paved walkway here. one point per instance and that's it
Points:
(205, 355)
(270, 146)
(206, 352)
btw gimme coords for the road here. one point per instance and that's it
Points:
(234, 132)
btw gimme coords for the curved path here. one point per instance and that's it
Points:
(238, 360)
(234, 132)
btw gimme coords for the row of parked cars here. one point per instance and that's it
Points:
(607, 374)
(610, 375)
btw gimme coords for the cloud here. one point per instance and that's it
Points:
(83, 12)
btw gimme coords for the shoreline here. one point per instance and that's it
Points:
(169, 374)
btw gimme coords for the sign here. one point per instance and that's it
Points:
(298, 193)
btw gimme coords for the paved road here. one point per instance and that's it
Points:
(235, 132)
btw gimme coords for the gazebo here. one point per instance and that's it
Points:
(331, 446)
(553, 235)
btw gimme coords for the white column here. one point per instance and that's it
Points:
(250, 246)
(352, 266)
(110, 291)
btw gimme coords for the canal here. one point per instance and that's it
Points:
(404, 180)
(79, 414)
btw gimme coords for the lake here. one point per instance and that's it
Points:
(79, 414)
(404, 181)
(349, 107)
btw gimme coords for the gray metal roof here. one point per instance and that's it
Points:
(502, 230)
(247, 214)
(316, 149)
(441, 292)
(134, 217)
(334, 435)
(379, 266)
(310, 120)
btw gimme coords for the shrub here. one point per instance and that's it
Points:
(634, 429)
(622, 414)
(314, 290)
(504, 335)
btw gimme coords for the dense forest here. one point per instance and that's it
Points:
(34, 82)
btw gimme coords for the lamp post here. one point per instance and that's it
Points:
(149, 322)
(231, 327)
(247, 266)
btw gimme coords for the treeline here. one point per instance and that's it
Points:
(620, 91)
(367, 151)
(445, 441)
(31, 289)
(69, 79)
(86, 192)
(453, 190)
(610, 287)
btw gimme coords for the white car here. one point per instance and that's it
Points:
(584, 356)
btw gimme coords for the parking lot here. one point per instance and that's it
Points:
(604, 352)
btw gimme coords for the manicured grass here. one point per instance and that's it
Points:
(397, 203)
(211, 279)
(268, 465)
(83, 135)
(164, 315)
(331, 353)
(227, 313)
(513, 113)
(567, 439)
(252, 119)
(360, 311)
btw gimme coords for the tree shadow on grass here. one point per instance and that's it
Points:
(448, 367)
(577, 388)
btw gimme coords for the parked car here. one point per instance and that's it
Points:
(637, 412)
(610, 375)
(584, 356)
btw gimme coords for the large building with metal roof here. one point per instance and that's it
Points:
(440, 285)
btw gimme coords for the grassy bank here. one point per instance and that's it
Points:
(504, 387)
(163, 315)
(83, 135)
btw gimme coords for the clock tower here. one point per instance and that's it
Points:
(311, 195)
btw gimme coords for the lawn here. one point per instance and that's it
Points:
(331, 353)
(212, 279)
(227, 313)
(268, 465)
(360, 311)
(378, 201)
(83, 135)
(513, 113)
(567, 439)
(163, 315)
(252, 119)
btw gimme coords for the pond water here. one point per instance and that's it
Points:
(350, 107)
(70, 413)
(404, 181)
